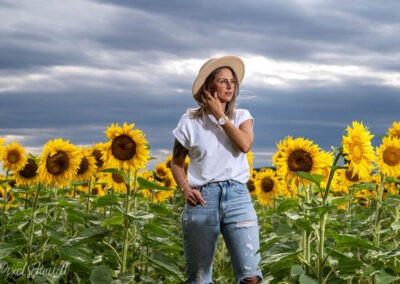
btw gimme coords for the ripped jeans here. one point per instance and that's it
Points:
(229, 211)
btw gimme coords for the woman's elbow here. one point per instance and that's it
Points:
(245, 148)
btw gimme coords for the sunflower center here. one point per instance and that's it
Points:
(13, 156)
(351, 177)
(123, 148)
(97, 155)
(250, 185)
(30, 169)
(267, 184)
(117, 178)
(391, 156)
(95, 191)
(357, 152)
(84, 166)
(58, 163)
(300, 160)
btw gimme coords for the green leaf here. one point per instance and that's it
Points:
(288, 204)
(168, 267)
(363, 185)
(315, 178)
(6, 249)
(69, 202)
(106, 200)
(146, 184)
(382, 277)
(392, 180)
(21, 190)
(114, 220)
(76, 255)
(297, 270)
(55, 236)
(40, 217)
(349, 241)
(101, 274)
(347, 264)
(113, 171)
(88, 235)
(395, 226)
(304, 279)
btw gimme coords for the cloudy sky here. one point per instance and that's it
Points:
(68, 69)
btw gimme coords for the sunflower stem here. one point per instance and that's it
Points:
(379, 212)
(31, 230)
(5, 197)
(89, 194)
(306, 244)
(322, 222)
(125, 240)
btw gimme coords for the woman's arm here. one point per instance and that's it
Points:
(193, 197)
(241, 136)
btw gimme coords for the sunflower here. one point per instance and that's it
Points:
(29, 173)
(114, 181)
(97, 153)
(59, 163)
(1, 149)
(358, 150)
(10, 197)
(161, 171)
(363, 197)
(168, 161)
(388, 153)
(98, 190)
(251, 182)
(394, 130)
(87, 167)
(299, 154)
(267, 187)
(14, 157)
(250, 159)
(126, 149)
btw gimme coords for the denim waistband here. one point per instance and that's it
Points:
(218, 183)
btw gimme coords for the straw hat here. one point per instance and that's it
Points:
(231, 61)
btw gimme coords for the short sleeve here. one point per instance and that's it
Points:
(181, 132)
(243, 115)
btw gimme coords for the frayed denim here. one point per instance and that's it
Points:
(229, 211)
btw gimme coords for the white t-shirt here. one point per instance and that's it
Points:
(213, 157)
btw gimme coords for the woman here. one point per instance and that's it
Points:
(216, 136)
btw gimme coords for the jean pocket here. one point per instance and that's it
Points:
(240, 188)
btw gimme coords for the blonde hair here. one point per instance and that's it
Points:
(206, 86)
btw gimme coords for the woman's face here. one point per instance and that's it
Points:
(224, 85)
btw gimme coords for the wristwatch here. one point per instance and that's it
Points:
(222, 120)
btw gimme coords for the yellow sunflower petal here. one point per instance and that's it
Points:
(127, 148)
(358, 150)
(394, 130)
(299, 154)
(29, 173)
(388, 153)
(14, 157)
(59, 163)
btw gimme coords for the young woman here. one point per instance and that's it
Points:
(216, 137)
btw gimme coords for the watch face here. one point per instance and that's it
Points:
(221, 120)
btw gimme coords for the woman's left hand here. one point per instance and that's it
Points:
(213, 104)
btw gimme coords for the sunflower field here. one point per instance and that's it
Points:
(99, 215)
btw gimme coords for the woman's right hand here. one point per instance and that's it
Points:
(193, 197)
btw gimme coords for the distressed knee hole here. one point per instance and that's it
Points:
(246, 224)
(251, 280)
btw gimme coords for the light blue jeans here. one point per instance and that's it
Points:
(229, 211)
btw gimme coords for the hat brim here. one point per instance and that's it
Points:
(233, 62)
